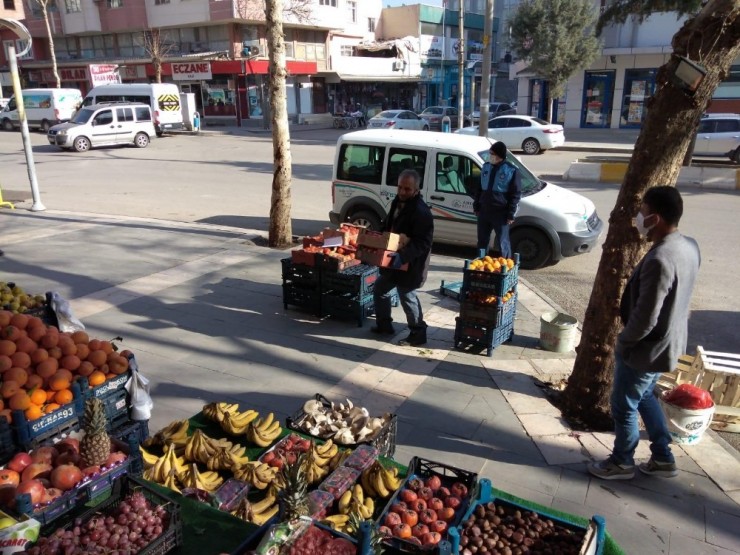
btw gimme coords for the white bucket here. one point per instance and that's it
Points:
(557, 332)
(686, 426)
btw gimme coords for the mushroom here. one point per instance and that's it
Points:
(312, 406)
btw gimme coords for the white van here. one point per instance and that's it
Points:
(113, 123)
(164, 98)
(44, 108)
(552, 222)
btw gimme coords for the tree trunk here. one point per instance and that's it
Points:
(712, 36)
(52, 51)
(550, 101)
(157, 69)
(281, 233)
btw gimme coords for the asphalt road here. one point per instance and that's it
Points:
(226, 179)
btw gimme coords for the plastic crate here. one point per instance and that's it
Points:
(384, 442)
(499, 314)
(7, 445)
(484, 336)
(331, 264)
(358, 280)
(594, 533)
(496, 283)
(302, 297)
(300, 274)
(30, 434)
(453, 290)
(138, 429)
(348, 306)
(114, 396)
(299, 256)
(45, 312)
(422, 468)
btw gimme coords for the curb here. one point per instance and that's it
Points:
(614, 172)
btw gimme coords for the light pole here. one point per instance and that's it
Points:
(20, 30)
(485, 97)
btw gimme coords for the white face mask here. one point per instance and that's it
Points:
(640, 224)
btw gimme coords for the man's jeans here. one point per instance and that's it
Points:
(496, 222)
(632, 392)
(382, 294)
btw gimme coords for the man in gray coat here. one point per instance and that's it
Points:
(655, 314)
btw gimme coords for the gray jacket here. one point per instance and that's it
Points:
(656, 304)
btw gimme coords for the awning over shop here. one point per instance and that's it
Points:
(381, 78)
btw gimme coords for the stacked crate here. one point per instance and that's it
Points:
(483, 324)
(302, 285)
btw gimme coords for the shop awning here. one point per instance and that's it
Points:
(380, 78)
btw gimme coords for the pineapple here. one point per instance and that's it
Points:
(354, 527)
(95, 446)
(294, 494)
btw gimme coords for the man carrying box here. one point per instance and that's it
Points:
(410, 216)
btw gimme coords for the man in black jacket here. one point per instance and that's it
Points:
(408, 215)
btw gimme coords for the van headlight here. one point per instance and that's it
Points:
(62, 133)
(580, 221)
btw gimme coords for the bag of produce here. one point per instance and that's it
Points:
(689, 396)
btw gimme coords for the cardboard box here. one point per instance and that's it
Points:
(299, 256)
(377, 257)
(379, 240)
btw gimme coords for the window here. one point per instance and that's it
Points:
(405, 159)
(347, 50)
(143, 114)
(431, 29)
(72, 6)
(125, 114)
(352, 10)
(361, 163)
(728, 125)
(451, 173)
(332, 3)
(115, 3)
(516, 122)
(370, 24)
(9, 4)
(159, 2)
(104, 118)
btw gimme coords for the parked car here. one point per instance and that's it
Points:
(44, 108)
(434, 114)
(397, 119)
(495, 109)
(106, 124)
(719, 135)
(3, 102)
(532, 135)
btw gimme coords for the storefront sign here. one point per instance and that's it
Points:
(72, 74)
(431, 47)
(102, 74)
(192, 71)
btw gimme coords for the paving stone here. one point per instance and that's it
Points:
(445, 448)
(504, 432)
(496, 366)
(684, 545)
(562, 449)
(723, 529)
(544, 424)
(721, 466)
(554, 366)
(573, 486)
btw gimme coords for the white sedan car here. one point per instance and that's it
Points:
(532, 135)
(398, 119)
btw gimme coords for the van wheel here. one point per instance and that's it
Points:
(45, 127)
(533, 246)
(366, 219)
(141, 140)
(425, 128)
(736, 156)
(7, 125)
(531, 146)
(81, 144)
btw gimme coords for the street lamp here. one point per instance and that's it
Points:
(20, 30)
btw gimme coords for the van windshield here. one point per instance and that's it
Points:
(83, 116)
(531, 184)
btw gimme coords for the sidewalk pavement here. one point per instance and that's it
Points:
(201, 306)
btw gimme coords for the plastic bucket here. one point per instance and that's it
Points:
(686, 426)
(557, 332)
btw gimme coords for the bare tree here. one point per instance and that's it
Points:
(281, 232)
(157, 48)
(293, 10)
(713, 38)
(44, 5)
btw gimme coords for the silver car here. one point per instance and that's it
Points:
(719, 135)
(398, 119)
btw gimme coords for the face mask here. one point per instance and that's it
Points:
(640, 224)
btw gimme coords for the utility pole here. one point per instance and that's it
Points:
(485, 86)
(461, 67)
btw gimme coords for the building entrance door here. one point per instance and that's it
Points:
(598, 95)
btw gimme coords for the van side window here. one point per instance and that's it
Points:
(125, 114)
(456, 174)
(405, 159)
(104, 118)
(88, 101)
(143, 114)
(363, 163)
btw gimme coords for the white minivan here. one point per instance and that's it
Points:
(552, 222)
(164, 99)
(44, 108)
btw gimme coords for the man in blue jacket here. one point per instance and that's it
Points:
(408, 215)
(655, 310)
(497, 200)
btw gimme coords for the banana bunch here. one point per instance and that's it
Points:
(258, 513)
(380, 482)
(260, 475)
(337, 460)
(216, 411)
(319, 461)
(340, 523)
(228, 459)
(353, 501)
(191, 477)
(263, 431)
(237, 423)
(200, 448)
(175, 432)
(171, 482)
(164, 467)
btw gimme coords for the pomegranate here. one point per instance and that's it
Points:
(9, 477)
(44, 455)
(66, 476)
(36, 471)
(19, 462)
(34, 488)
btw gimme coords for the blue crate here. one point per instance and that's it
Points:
(495, 283)
(300, 274)
(499, 314)
(594, 532)
(357, 280)
(114, 396)
(30, 434)
(475, 335)
(7, 445)
(453, 290)
(138, 429)
(351, 306)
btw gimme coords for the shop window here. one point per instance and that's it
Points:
(347, 50)
(332, 3)
(361, 163)
(405, 159)
(370, 24)
(639, 85)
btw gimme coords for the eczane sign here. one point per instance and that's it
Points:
(191, 71)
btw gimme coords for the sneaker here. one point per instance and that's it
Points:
(414, 340)
(609, 470)
(657, 468)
